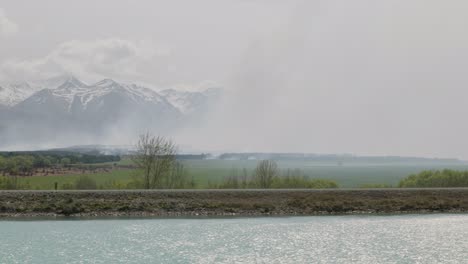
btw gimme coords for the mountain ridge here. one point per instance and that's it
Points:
(68, 87)
(39, 112)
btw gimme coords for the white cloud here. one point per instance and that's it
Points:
(7, 27)
(91, 60)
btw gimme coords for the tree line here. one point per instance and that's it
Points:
(436, 178)
(24, 164)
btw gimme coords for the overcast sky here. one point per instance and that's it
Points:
(363, 77)
(160, 42)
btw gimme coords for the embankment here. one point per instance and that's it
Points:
(230, 202)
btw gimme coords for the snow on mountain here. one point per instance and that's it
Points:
(12, 94)
(190, 102)
(76, 97)
(184, 101)
(68, 94)
(69, 89)
(68, 108)
(135, 92)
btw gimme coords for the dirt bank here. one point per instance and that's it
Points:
(230, 202)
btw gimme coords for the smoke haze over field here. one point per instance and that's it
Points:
(365, 77)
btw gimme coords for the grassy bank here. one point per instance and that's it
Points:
(230, 202)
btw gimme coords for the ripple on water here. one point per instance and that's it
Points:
(319, 239)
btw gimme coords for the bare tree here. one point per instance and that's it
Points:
(265, 171)
(155, 156)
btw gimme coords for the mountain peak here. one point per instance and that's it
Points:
(106, 83)
(71, 82)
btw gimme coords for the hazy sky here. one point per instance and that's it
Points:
(161, 42)
(364, 76)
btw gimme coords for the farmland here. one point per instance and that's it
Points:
(206, 173)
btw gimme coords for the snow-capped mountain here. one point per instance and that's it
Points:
(12, 94)
(74, 96)
(67, 105)
(70, 94)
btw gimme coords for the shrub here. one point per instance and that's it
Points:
(436, 178)
(9, 183)
(85, 183)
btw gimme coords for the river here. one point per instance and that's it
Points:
(431, 238)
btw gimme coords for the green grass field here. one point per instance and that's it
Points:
(204, 172)
(347, 176)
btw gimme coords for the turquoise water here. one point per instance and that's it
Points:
(321, 239)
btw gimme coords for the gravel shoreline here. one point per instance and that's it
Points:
(204, 203)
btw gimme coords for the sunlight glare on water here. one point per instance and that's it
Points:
(320, 239)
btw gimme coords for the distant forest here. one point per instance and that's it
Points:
(55, 157)
(339, 158)
(92, 156)
(25, 163)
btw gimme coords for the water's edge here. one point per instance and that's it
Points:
(230, 203)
